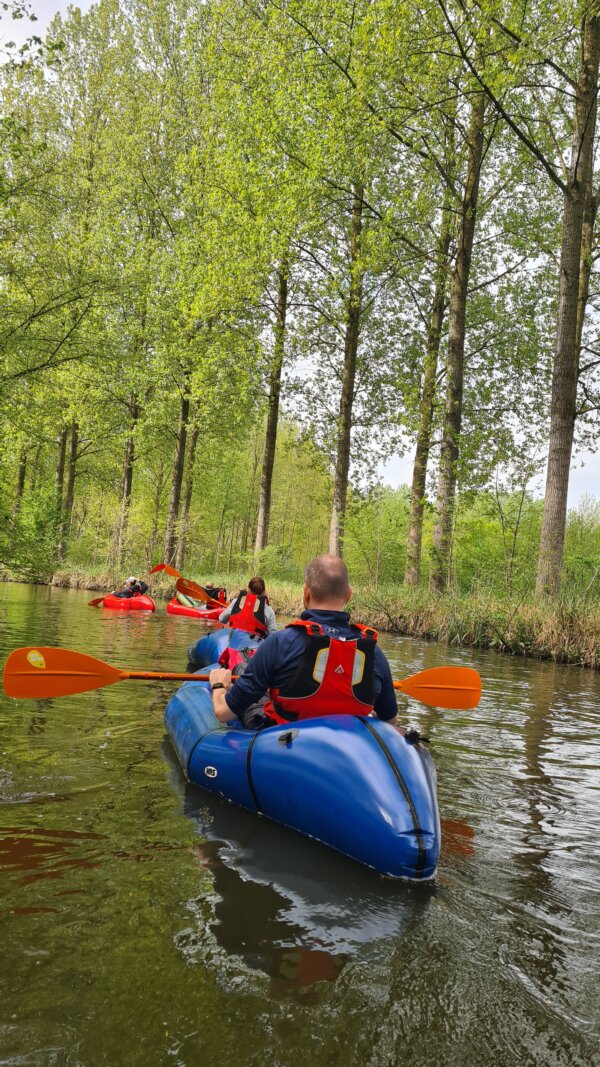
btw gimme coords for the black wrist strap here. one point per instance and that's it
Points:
(217, 685)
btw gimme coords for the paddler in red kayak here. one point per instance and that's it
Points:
(131, 587)
(321, 664)
(251, 610)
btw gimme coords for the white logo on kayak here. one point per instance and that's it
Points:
(36, 659)
(210, 772)
(339, 670)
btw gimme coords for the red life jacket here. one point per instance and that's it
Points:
(334, 677)
(244, 617)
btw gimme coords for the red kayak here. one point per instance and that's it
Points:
(203, 614)
(129, 603)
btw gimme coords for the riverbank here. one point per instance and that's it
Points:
(565, 630)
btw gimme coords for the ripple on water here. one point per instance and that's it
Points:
(133, 904)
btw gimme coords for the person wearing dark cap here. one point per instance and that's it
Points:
(131, 587)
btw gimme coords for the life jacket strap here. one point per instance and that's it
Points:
(314, 629)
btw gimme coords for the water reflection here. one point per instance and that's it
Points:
(43, 853)
(544, 905)
(286, 905)
(111, 939)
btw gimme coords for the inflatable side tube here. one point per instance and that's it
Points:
(212, 755)
(355, 784)
(132, 603)
(174, 607)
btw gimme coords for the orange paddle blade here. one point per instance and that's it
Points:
(444, 687)
(36, 673)
(167, 569)
(197, 592)
(94, 603)
(55, 672)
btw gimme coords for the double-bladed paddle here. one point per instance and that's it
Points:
(196, 592)
(166, 568)
(188, 588)
(38, 673)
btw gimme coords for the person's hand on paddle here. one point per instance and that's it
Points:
(220, 677)
(220, 681)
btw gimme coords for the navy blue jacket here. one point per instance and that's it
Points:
(278, 656)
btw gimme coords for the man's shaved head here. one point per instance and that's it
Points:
(327, 579)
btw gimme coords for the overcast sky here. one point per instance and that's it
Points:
(44, 10)
(585, 473)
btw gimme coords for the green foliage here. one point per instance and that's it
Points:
(30, 547)
(151, 191)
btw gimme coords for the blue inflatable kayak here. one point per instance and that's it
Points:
(207, 649)
(354, 783)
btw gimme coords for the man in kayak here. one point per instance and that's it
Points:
(131, 587)
(251, 610)
(321, 664)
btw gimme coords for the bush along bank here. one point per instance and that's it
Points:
(561, 630)
(565, 630)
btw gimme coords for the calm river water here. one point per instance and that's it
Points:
(144, 922)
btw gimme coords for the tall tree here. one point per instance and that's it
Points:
(571, 303)
(457, 310)
(351, 341)
(266, 479)
(414, 539)
(537, 119)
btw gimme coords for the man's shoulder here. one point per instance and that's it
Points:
(381, 661)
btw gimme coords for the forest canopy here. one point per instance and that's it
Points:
(250, 252)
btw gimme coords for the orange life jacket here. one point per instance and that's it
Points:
(245, 617)
(334, 677)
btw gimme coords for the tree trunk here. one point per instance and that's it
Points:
(450, 447)
(585, 269)
(177, 477)
(67, 511)
(286, 508)
(35, 469)
(187, 497)
(61, 442)
(155, 517)
(571, 307)
(231, 539)
(378, 552)
(126, 485)
(264, 504)
(344, 423)
(249, 510)
(220, 532)
(21, 475)
(414, 540)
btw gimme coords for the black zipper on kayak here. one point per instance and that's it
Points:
(249, 773)
(422, 848)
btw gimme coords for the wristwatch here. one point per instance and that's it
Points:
(217, 685)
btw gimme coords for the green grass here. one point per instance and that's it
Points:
(565, 630)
